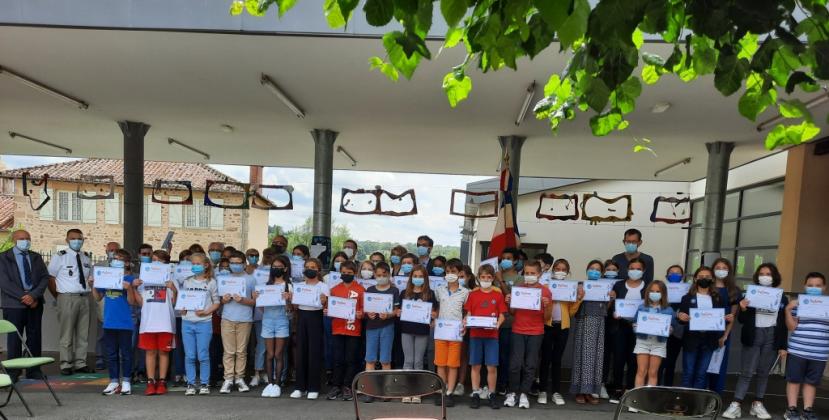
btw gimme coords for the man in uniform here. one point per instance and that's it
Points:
(69, 271)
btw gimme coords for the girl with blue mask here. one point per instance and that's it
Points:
(589, 330)
(674, 275)
(651, 349)
(611, 270)
(197, 330)
(438, 266)
(415, 336)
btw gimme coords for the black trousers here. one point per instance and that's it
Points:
(28, 322)
(346, 359)
(309, 332)
(552, 349)
(623, 355)
(668, 366)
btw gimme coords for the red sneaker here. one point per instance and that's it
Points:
(161, 387)
(151, 388)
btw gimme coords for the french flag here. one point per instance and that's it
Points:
(506, 229)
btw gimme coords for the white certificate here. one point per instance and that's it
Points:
(270, 295)
(306, 296)
(767, 298)
(436, 282)
(366, 283)
(546, 278)
(400, 282)
(811, 306)
(563, 290)
(191, 300)
(182, 271)
(525, 298)
(597, 290)
(716, 360)
(262, 276)
(231, 285)
(155, 274)
(653, 324)
(707, 319)
(109, 278)
(342, 308)
(481, 322)
(626, 308)
(297, 267)
(448, 330)
(416, 311)
(333, 279)
(492, 262)
(378, 303)
(676, 291)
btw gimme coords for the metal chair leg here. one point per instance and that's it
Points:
(3, 416)
(25, 404)
(55, 396)
(8, 398)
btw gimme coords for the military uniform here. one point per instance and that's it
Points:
(71, 271)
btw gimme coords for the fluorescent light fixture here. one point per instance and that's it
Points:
(818, 100)
(183, 146)
(67, 150)
(34, 84)
(660, 107)
(526, 105)
(272, 86)
(672, 166)
(345, 152)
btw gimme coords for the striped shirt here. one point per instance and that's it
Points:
(810, 340)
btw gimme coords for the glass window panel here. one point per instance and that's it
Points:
(729, 235)
(732, 206)
(765, 199)
(748, 261)
(760, 232)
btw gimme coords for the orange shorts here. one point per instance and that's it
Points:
(448, 353)
(162, 341)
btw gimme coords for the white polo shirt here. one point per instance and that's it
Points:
(64, 268)
(451, 303)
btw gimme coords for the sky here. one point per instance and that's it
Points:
(433, 192)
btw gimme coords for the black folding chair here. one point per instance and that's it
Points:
(398, 384)
(672, 402)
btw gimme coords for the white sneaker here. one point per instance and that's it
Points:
(523, 401)
(510, 400)
(276, 391)
(459, 390)
(241, 385)
(558, 399)
(632, 410)
(313, 395)
(126, 388)
(296, 394)
(111, 389)
(542, 397)
(267, 391)
(226, 387)
(415, 400)
(406, 400)
(190, 391)
(733, 411)
(254, 382)
(759, 410)
(204, 390)
(603, 393)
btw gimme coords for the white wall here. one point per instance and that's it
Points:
(755, 172)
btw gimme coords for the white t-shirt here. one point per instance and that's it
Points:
(634, 292)
(157, 313)
(764, 318)
(704, 301)
(321, 288)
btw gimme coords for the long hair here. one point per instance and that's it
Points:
(715, 297)
(730, 284)
(426, 293)
(203, 258)
(287, 276)
(663, 301)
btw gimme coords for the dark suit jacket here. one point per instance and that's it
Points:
(11, 286)
(694, 341)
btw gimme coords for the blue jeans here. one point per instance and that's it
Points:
(178, 352)
(695, 367)
(196, 336)
(118, 345)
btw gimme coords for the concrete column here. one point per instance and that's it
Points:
(716, 181)
(323, 180)
(133, 183)
(511, 145)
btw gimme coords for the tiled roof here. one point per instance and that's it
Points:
(6, 211)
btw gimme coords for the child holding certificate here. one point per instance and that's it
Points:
(276, 326)
(675, 275)
(483, 302)
(651, 349)
(729, 292)
(197, 328)
(118, 327)
(237, 321)
(625, 339)
(764, 337)
(451, 299)
(414, 335)
(380, 325)
(588, 364)
(309, 331)
(346, 334)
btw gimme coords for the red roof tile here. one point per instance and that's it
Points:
(6, 211)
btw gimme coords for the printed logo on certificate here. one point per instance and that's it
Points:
(110, 278)
(563, 290)
(416, 311)
(481, 322)
(448, 330)
(676, 291)
(342, 308)
(761, 297)
(597, 290)
(334, 278)
(270, 295)
(707, 319)
(400, 282)
(231, 285)
(306, 296)
(191, 300)
(261, 276)
(526, 298)
(155, 274)
(436, 282)
(378, 303)
(811, 306)
(626, 308)
(654, 324)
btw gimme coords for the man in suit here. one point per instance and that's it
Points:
(23, 280)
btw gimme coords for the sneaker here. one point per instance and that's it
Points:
(501, 390)
(266, 393)
(534, 388)
(296, 394)
(241, 385)
(150, 388)
(808, 414)
(161, 387)
(617, 395)
(475, 402)
(458, 392)
(366, 399)
(204, 390)
(523, 401)
(449, 401)
(406, 400)
(791, 414)
(510, 400)
(632, 410)
(558, 399)
(226, 385)
(759, 410)
(347, 394)
(276, 392)
(542, 397)
(493, 402)
(190, 391)
(112, 389)
(603, 394)
(415, 400)
(733, 411)
(254, 382)
(334, 393)
(313, 395)
(126, 388)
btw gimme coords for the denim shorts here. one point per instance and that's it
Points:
(378, 344)
(275, 326)
(483, 351)
(804, 371)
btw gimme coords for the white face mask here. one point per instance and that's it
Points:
(720, 274)
(765, 280)
(486, 284)
(366, 274)
(349, 252)
(451, 278)
(382, 281)
(559, 275)
(530, 279)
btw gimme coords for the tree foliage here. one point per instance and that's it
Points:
(763, 47)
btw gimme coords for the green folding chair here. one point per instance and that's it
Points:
(26, 362)
(5, 381)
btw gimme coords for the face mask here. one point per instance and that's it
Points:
(655, 296)
(296, 258)
(674, 277)
(530, 279)
(814, 291)
(594, 274)
(506, 264)
(347, 278)
(519, 265)
(223, 272)
(423, 251)
(349, 252)
(559, 275)
(438, 271)
(452, 278)
(366, 274)
(253, 259)
(116, 264)
(704, 283)
(395, 259)
(237, 268)
(277, 272)
(214, 256)
(720, 274)
(197, 269)
(23, 244)
(279, 249)
(486, 284)
(611, 274)
(144, 258)
(635, 274)
(631, 248)
(382, 281)
(417, 281)
(337, 265)
(76, 244)
(765, 280)
(309, 273)
(110, 255)
(407, 268)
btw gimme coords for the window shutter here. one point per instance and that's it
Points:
(153, 212)
(89, 211)
(217, 215)
(48, 211)
(175, 215)
(112, 210)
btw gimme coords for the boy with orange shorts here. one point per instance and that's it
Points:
(451, 299)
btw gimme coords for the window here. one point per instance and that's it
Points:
(70, 208)
(197, 216)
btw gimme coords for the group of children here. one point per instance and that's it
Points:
(506, 349)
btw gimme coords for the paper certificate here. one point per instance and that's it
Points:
(416, 311)
(191, 300)
(492, 262)
(231, 285)
(448, 330)
(366, 283)
(333, 279)
(676, 291)
(597, 290)
(808, 306)
(342, 308)
(297, 267)
(400, 282)
(436, 282)
(270, 295)
(378, 303)
(546, 278)
(653, 324)
(707, 319)
(767, 298)
(109, 278)
(481, 322)
(155, 274)
(262, 276)
(306, 296)
(182, 271)
(626, 308)
(563, 290)
(716, 360)
(525, 298)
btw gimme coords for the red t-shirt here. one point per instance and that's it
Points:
(480, 303)
(529, 322)
(342, 326)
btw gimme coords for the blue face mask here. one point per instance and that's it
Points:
(23, 244)
(631, 248)
(655, 296)
(506, 264)
(237, 268)
(215, 255)
(296, 258)
(520, 265)
(635, 274)
(417, 281)
(395, 259)
(337, 265)
(223, 272)
(197, 269)
(253, 259)
(76, 244)
(611, 274)
(423, 251)
(438, 271)
(674, 277)
(144, 258)
(594, 274)
(116, 264)
(407, 268)
(814, 291)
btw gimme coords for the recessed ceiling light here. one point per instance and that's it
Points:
(227, 128)
(660, 107)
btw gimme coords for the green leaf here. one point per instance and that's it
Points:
(676, 21)
(653, 59)
(748, 46)
(453, 11)
(333, 14)
(453, 37)
(397, 57)
(638, 38)
(794, 108)
(791, 135)
(596, 94)
(254, 8)
(821, 52)
(705, 56)
(285, 5)
(730, 72)
(390, 72)
(456, 90)
(237, 7)
(574, 27)
(806, 83)
(602, 124)
(347, 7)
(553, 12)
(378, 12)
(756, 99)
(650, 74)
(624, 97)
